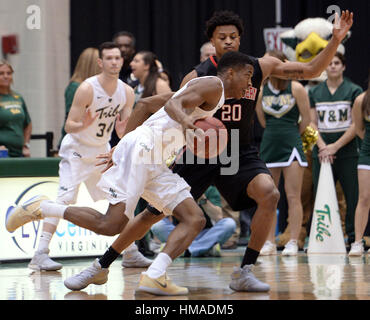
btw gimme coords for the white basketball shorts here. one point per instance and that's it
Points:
(78, 165)
(131, 178)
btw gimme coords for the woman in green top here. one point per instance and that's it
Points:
(331, 105)
(15, 122)
(279, 106)
(361, 117)
(86, 67)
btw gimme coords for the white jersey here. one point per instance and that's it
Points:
(107, 107)
(169, 130)
(131, 177)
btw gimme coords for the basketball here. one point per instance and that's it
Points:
(215, 138)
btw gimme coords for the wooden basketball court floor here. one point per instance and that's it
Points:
(304, 277)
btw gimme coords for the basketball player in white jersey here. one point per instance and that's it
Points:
(131, 177)
(101, 103)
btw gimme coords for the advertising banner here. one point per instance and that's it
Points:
(69, 239)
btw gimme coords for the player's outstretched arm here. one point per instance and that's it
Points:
(272, 66)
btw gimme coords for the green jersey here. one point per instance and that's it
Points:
(14, 118)
(280, 108)
(334, 113)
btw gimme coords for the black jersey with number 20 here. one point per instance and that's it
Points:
(236, 113)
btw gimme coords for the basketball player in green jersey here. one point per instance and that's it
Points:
(361, 117)
(331, 104)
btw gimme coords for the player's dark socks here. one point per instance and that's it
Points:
(108, 257)
(250, 257)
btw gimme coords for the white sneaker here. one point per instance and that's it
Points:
(291, 248)
(22, 214)
(135, 259)
(91, 275)
(242, 279)
(42, 261)
(357, 249)
(268, 249)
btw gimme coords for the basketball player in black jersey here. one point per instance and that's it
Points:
(252, 184)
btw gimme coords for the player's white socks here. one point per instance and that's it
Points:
(44, 240)
(159, 265)
(51, 209)
(46, 236)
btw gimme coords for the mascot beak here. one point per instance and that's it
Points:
(310, 47)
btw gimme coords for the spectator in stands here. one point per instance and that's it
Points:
(207, 50)
(361, 117)
(15, 121)
(331, 104)
(216, 232)
(145, 69)
(280, 105)
(126, 42)
(86, 67)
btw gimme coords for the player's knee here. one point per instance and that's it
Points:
(110, 228)
(274, 196)
(270, 198)
(199, 221)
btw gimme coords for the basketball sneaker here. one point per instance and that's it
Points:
(94, 274)
(291, 248)
(22, 214)
(135, 259)
(242, 279)
(162, 286)
(268, 249)
(357, 248)
(41, 261)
